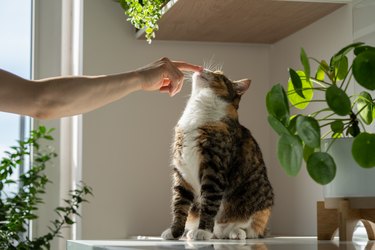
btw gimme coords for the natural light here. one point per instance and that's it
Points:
(15, 57)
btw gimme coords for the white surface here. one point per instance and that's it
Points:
(287, 243)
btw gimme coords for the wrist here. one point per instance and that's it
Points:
(133, 81)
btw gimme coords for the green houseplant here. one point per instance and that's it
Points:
(144, 14)
(335, 114)
(19, 207)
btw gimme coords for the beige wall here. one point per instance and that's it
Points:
(126, 144)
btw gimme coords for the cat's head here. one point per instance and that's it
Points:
(219, 85)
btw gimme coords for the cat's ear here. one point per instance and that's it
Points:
(241, 86)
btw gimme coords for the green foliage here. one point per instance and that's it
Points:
(342, 114)
(300, 99)
(17, 209)
(144, 14)
(290, 153)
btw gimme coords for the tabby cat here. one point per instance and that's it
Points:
(220, 183)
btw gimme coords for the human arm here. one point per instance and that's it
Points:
(65, 96)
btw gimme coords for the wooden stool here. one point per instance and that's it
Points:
(344, 214)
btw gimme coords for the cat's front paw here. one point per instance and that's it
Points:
(199, 234)
(167, 235)
(237, 234)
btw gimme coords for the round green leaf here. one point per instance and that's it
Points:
(366, 106)
(277, 104)
(363, 150)
(364, 69)
(277, 126)
(338, 100)
(290, 154)
(305, 63)
(337, 127)
(321, 167)
(309, 131)
(295, 99)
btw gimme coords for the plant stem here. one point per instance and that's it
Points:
(343, 81)
(298, 103)
(347, 84)
(326, 117)
(314, 114)
(319, 82)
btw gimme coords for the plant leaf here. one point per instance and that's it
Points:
(365, 103)
(364, 69)
(309, 131)
(290, 153)
(68, 220)
(363, 150)
(295, 99)
(361, 49)
(297, 83)
(322, 70)
(337, 127)
(341, 68)
(305, 63)
(338, 100)
(344, 51)
(292, 124)
(321, 167)
(277, 126)
(353, 130)
(277, 104)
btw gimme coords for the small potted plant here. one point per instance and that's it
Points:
(337, 114)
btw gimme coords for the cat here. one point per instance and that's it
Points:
(220, 184)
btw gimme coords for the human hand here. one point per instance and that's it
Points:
(165, 75)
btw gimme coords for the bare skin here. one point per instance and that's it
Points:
(65, 96)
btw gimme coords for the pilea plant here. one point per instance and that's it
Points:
(144, 14)
(19, 207)
(335, 114)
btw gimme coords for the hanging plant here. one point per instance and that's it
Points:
(144, 15)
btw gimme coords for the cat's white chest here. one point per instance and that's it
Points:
(201, 109)
(189, 163)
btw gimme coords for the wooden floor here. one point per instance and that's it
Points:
(272, 243)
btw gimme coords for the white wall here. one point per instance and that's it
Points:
(295, 209)
(126, 144)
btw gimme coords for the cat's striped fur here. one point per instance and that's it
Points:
(220, 183)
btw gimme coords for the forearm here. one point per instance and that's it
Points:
(76, 95)
(59, 97)
(66, 96)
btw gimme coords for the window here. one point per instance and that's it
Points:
(15, 57)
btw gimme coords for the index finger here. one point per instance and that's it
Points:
(187, 66)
